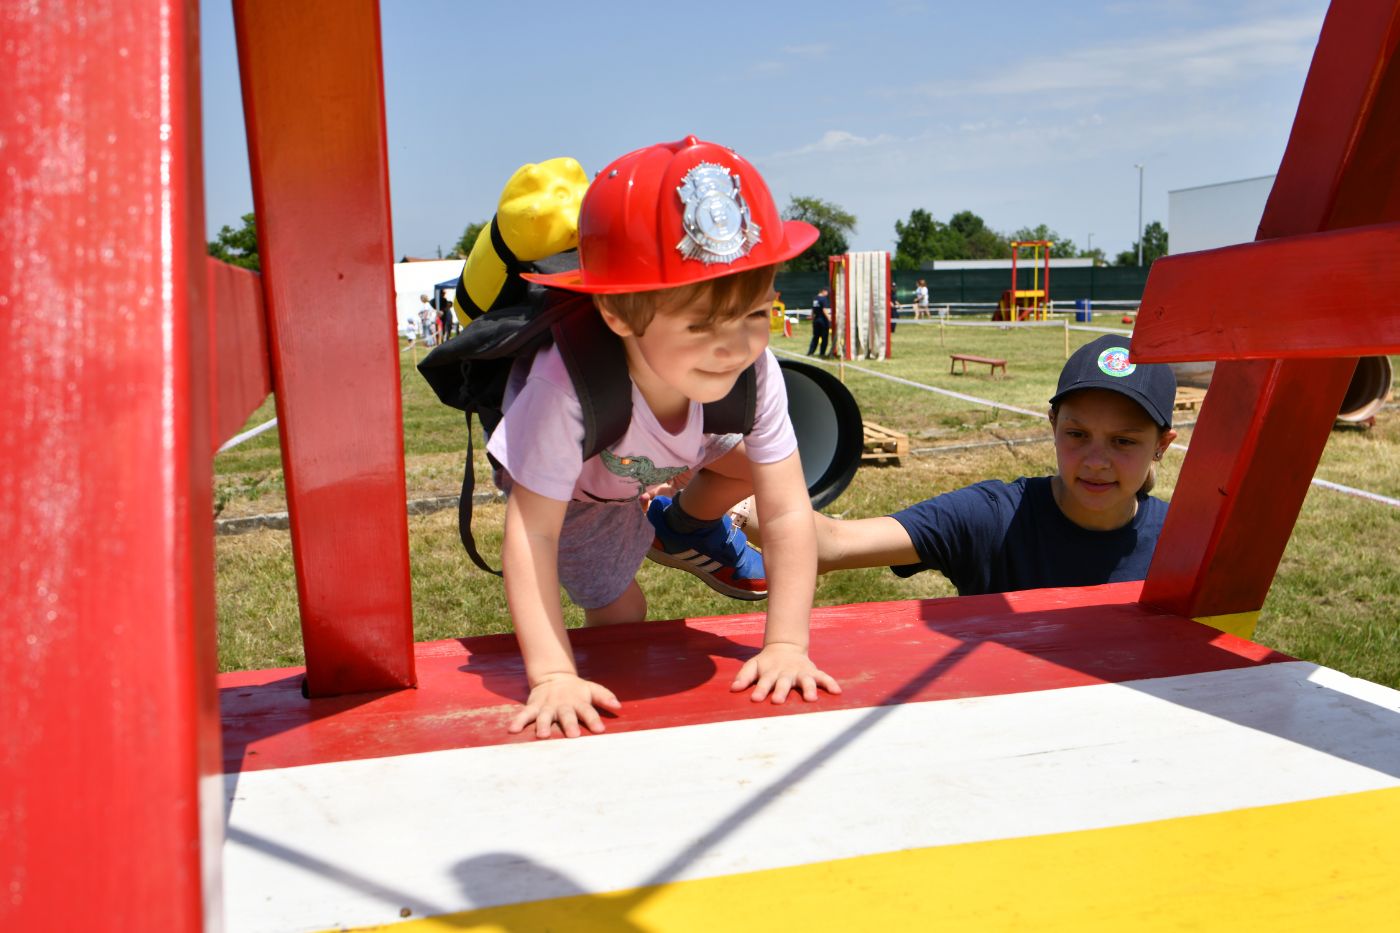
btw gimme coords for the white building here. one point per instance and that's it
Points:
(1211, 216)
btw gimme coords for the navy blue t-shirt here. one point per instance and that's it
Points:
(995, 537)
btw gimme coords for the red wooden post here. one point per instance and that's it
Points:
(313, 91)
(889, 307)
(1258, 443)
(1344, 278)
(110, 800)
(239, 364)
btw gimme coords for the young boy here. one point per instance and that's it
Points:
(678, 244)
(1091, 522)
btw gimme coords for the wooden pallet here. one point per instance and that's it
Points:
(883, 446)
(1189, 398)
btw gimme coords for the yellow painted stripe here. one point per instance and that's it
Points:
(1321, 864)
(1236, 623)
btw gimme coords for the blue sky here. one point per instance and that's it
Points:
(1023, 112)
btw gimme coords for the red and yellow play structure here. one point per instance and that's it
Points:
(1027, 304)
(1119, 757)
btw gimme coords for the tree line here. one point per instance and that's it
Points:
(923, 238)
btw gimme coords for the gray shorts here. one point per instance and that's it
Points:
(601, 548)
(602, 544)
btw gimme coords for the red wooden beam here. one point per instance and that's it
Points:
(111, 807)
(313, 92)
(238, 358)
(1243, 482)
(1311, 296)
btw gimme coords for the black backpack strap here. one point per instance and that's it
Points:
(734, 414)
(464, 509)
(597, 365)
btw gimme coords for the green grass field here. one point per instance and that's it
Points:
(1333, 601)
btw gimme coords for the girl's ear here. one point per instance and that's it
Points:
(1164, 441)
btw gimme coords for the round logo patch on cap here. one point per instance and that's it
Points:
(717, 223)
(1114, 362)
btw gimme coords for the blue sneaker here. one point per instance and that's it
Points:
(720, 555)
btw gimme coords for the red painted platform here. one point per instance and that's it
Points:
(677, 672)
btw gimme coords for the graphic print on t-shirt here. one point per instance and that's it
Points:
(640, 469)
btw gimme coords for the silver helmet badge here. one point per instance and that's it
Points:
(717, 223)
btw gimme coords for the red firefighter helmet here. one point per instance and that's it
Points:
(675, 214)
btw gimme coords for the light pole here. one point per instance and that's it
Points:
(1090, 247)
(1139, 167)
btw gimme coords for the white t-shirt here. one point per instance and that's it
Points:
(540, 439)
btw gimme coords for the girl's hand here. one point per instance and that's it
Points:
(566, 700)
(781, 668)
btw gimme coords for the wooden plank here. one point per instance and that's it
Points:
(665, 672)
(1189, 398)
(238, 353)
(313, 94)
(1257, 445)
(1030, 784)
(883, 445)
(1322, 295)
(110, 809)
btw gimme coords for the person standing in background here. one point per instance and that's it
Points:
(921, 300)
(821, 323)
(427, 318)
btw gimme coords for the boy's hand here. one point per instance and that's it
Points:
(780, 668)
(565, 699)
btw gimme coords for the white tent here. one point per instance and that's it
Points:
(413, 279)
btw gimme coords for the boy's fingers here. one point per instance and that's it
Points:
(568, 721)
(604, 697)
(521, 720)
(591, 720)
(782, 688)
(543, 724)
(828, 682)
(746, 676)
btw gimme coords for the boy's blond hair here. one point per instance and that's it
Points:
(724, 298)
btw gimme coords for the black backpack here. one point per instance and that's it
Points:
(470, 371)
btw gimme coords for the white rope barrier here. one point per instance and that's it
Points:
(917, 385)
(1359, 493)
(1325, 484)
(247, 435)
(1009, 325)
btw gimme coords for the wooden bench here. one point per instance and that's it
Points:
(965, 358)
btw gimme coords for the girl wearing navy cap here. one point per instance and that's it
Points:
(1092, 522)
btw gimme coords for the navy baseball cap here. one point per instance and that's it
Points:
(1103, 364)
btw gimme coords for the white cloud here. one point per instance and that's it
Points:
(834, 141)
(1204, 58)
